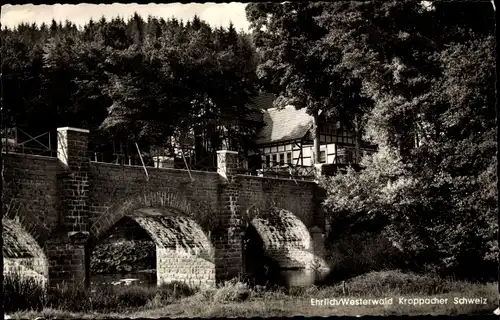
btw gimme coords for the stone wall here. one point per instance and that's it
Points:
(69, 204)
(111, 184)
(67, 250)
(68, 261)
(73, 179)
(174, 266)
(286, 239)
(262, 193)
(30, 193)
(243, 198)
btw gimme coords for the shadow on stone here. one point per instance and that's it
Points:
(259, 269)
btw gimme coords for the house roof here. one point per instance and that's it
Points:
(284, 124)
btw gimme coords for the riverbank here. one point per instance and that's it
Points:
(375, 293)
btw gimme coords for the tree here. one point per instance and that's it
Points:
(430, 71)
(295, 65)
(170, 85)
(59, 71)
(90, 102)
(157, 78)
(135, 29)
(21, 73)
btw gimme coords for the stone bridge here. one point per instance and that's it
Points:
(56, 210)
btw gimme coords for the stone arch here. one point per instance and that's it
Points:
(270, 204)
(175, 232)
(22, 212)
(277, 240)
(184, 251)
(22, 254)
(159, 199)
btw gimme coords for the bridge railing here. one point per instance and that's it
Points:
(16, 140)
(299, 172)
(148, 159)
(284, 171)
(163, 160)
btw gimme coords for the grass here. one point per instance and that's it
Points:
(22, 293)
(236, 299)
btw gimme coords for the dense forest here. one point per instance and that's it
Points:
(140, 81)
(415, 78)
(418, 80)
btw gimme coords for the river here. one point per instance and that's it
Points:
(147, 278)
(144, 278)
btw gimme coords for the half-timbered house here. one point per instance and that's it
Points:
(287, 139)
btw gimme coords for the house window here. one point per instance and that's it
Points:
(289, 157)
(275, 162)
(322, 156)
(349, 156)
(282, 158)
(268, 160)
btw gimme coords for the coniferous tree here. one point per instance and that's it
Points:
(148, 80)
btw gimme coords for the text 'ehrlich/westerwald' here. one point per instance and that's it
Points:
(351, 302)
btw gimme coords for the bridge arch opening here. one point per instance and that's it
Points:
(177, 249)
(22, 255)
(125, 253)
(278, 250)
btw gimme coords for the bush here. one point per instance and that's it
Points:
(441, 223)
(132, 297)
(231, 291)
(394, 281)
(168, 293)
(397, 282)
(354, 253)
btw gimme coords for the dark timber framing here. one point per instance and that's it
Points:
(336, 134)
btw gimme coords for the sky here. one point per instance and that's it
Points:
(216, 14)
